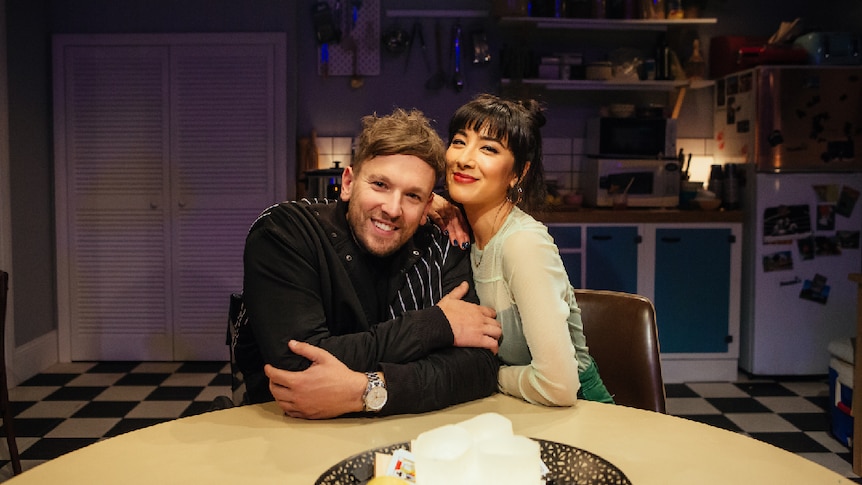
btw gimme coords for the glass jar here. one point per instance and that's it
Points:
(674, 9)
(652, 9)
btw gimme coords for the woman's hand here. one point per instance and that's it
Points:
(449, 217)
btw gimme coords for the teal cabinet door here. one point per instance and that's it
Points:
(612, 258)
(568, 241)
(692, 289)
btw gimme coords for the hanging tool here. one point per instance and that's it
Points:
(417, 35)
(438, 79)
(458, 78)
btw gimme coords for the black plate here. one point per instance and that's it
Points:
(566, 465)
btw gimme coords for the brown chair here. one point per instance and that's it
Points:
(5, 408)
(623, 339)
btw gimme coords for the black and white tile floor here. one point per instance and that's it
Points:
(70, 406)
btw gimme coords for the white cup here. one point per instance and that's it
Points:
(513, 460)
(443, 456)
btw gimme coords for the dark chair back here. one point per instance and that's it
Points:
(5, 407)
(623, 339)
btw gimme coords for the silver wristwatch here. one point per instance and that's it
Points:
(375, 394)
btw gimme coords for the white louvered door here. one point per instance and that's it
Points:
(222, 101)
(165, 154)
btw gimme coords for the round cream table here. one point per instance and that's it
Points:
(258, 444)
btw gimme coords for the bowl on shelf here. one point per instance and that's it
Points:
(621, 110)
(707, 204)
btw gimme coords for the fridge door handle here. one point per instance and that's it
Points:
(794, 281)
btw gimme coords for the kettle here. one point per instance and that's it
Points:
(324, 183)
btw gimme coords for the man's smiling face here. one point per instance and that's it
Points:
(389, 199)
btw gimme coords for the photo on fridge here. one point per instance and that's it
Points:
(846, 201)
(815, 289)
(786, 222)
(848, 239)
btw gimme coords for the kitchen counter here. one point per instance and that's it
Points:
(563, 214)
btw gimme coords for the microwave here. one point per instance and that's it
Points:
(651, 182)
(631, 137)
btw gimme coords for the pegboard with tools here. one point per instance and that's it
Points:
(353, 32)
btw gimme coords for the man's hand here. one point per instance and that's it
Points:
(473, 325)
(325, 390)
(448, 217)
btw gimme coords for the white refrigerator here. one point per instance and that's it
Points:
(801, 241)
(795, 131)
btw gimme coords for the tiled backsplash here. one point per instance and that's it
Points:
(332, 149)
(563, 157)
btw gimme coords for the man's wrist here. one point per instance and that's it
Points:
(360, 386)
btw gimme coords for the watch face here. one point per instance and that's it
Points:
(376, 398)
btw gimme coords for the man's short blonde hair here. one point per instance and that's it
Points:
(400, 133)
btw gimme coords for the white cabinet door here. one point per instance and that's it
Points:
(113, 202)
(223, 105)
(167, 147)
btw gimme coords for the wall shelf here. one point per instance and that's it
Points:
(416, 13)
(604, 24)
(581, 85)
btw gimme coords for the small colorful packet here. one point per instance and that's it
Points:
(402, 465)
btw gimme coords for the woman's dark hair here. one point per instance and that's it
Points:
(517, 124)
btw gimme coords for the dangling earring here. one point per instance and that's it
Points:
(519, 195)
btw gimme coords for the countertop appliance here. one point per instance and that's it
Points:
(325, 182)
(794, 131)
(646, 182)
(631, 137)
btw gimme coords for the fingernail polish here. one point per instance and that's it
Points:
(455, 243)
(446, 233)
(465, 245)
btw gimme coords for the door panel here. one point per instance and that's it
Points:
(692, 289)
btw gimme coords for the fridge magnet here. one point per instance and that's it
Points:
(786, 222)
(815, 289)
(806, 248)
(719, 92)
(826, 193)
(848, 239)
(846, 201)
(746, 82)
(826, 246)
(732, 85)
(780, 261)
(825, 217)
(731, 111)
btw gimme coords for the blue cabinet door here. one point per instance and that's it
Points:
(692, 289)
(612, 258)
(568, 241)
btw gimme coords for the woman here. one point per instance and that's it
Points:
(494, 167)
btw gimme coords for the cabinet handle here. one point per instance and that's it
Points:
(181, 203)
(671, 239)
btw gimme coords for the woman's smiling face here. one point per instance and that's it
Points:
(479, 168)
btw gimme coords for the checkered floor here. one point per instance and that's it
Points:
(73, 405)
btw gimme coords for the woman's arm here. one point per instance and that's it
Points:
(539, 286)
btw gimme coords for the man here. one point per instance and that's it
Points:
(357, 305)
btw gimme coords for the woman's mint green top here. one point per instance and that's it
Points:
(520, 274)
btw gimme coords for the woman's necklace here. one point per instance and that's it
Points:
(494, 230)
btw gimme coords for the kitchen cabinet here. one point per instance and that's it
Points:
(612, 258)
(570, 245)
(166, 149)
(691, 271)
